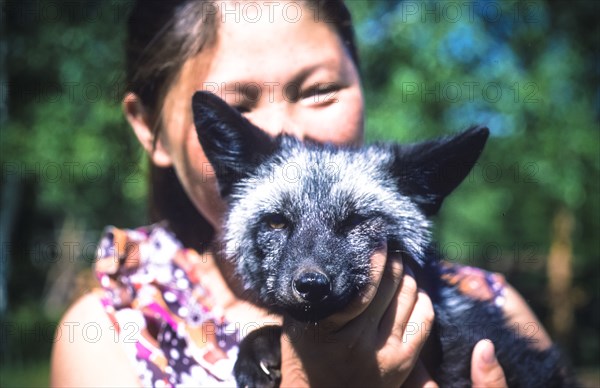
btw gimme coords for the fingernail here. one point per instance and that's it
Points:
(489, 353)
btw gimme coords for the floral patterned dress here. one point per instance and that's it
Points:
(172, 330)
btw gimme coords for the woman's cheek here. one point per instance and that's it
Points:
(341, 121)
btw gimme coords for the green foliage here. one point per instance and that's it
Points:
(66, 134)
(31, 375)
(430, 69)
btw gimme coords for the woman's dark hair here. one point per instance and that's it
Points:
(162, 36)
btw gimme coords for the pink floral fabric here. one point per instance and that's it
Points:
(475, 282)
(171, 329)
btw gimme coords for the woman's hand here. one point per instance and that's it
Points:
(375, 342)
(486, 371)
(378, 339)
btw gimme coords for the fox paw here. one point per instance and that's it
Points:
(259, 359)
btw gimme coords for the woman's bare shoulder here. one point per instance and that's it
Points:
(87, 351)
(524, 320)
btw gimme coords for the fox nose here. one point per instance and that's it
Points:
(312, 286)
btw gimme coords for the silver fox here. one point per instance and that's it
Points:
(304, 220)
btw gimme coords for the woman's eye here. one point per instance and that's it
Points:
(277, 222)
(321, 92)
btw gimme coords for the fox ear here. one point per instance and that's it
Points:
(429, 171)
(232, 144)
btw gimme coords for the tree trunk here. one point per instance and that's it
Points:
(560, 276)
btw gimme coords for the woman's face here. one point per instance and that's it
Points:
(291, 76)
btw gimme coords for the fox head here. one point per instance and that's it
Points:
(304, 218)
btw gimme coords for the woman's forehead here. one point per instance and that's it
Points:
(271, 49)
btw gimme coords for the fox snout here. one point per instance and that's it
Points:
(311, 286)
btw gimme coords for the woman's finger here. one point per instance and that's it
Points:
(485, 368)
(412, 326)
(400, 342)
(389, 287)
(400, 307)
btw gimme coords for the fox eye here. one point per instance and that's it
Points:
(353, 220)
(277, 221)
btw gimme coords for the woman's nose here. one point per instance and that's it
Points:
(275, 119)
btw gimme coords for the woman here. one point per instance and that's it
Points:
(169, 315)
